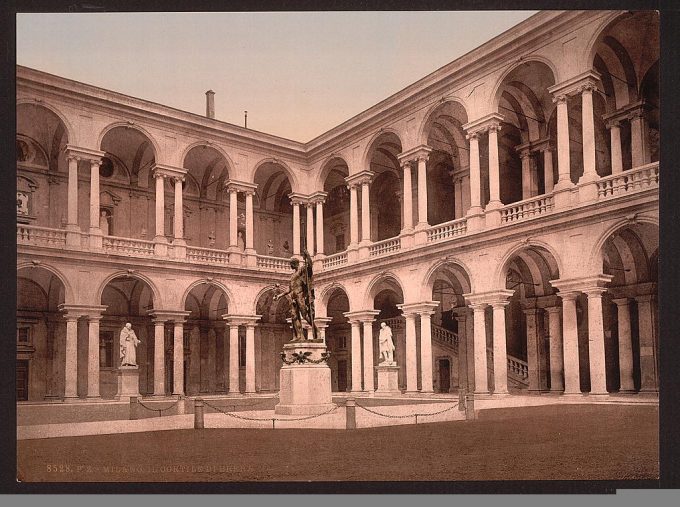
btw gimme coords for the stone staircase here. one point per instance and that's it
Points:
(518, 370)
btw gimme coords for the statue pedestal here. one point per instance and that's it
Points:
(128, 383)
(305, 383)
(388, 379)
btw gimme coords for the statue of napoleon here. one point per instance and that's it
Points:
(300, 295)
(128, 346)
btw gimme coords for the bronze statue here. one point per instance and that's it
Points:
(300, 295)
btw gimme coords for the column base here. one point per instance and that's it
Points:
(352, 253)
(562, 194)
(587, 191)
(475, 219)
(95, 238)
(364, 251)
(73, 234)
(407, 239)
(160, 246)
(492, 217)
(250, 257)
(180, 248)
(420, 235)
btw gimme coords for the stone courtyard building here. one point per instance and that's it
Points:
(500, 214)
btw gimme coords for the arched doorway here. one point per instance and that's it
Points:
(41, 335)
(386, 188)
(273, 212)
(386, 295)
(336, 208)
(127, 299)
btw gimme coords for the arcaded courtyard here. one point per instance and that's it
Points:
(576, 442)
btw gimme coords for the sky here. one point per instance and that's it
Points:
(298, 74)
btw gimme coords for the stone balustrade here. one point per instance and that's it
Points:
(528, 208)
(447, 230)
(207, 255)
(127, 246)
(444, 335)
(334, 261)
(385, 247)
(634, 180)
(273, 263)
(40, 236)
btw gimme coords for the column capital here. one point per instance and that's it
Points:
(240, 186)
(621, 301)
(362, 315)
(645, 298)
(359, 178)
(585, 81)
(624, 113)
(167, 171)
(318, 197)
(241, 320)
(497, 297)
(424, 308)
(89, 311)
(322, 322)
(169, 315)
(481, 125)
(79, 153)
(552, 310)
(421, 152)
(297, 199)
(581, 284)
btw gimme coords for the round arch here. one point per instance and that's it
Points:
(70, 131)
(365, 160)
(326, 168)
(203, 281)
(422, 133)
(259, 295)
(517, 248)
(374, 286)
(208, 144)
(157, 300)
(135, 126)
(590, 51)
(496, 96)
(286, 169)
(325, 297)
(431, 276)
(597, 253)
(68, 291)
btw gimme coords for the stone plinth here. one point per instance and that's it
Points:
(128, 382)
(305, 383)
(388, 379)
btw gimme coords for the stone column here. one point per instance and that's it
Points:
(296, 227)
(160, 207)
(407, 197)
(526, 173)
(356, 356)
(250, 229)
(159, 357)
(588, 128)
(310, 228)
(369, 384)
(422, 191)
(556, 349)
(457, 198)
(479, 339)
(598, 371)
(178, 358)
(365, 214)
(94, 197)
(93, 355)
(639, 148)
(179, 208)
(570, 342)
(533, 349)
(233, 359)
(319, 227)
(71, 357)
(72, 219)
(233, 218)
(250, 357)
(549, 178)
(494, 168)
(353, 216)
(461, 317)
(614, 127)
(212, 356)
(647, 333)
(563, 156)
(411, 358)
(500, 354)
(426, 351)
(475, 176)
(625, 345)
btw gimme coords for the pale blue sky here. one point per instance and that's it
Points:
(298, 74)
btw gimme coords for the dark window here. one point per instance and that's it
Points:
(241, 351)
(106, 349)
(106, 169)
(23, 335)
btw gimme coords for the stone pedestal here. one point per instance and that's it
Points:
(128, 382)
(388, 379)
(305, 383)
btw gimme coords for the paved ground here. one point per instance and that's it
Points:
(583, 442)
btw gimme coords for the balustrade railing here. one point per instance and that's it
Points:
(518, 370)
(273, 263)
(447, 230)
(208, 255)
(444, 335)
(127, 246)
(40, 236)
(633, 180)
(527, 208)
(334, 260)
(384, 247)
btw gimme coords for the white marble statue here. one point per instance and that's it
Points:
(240, 241)
(270, 247)
(104, 223)
(128, 346)
(386, 344)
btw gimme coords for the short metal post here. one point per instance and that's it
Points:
(351, 414)
(134, 404)
(198, 414)
(470, 407)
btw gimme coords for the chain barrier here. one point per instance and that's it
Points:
(391, 416)
(159, 410)
(272, 419)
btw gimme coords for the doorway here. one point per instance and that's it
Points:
(22, 380)
(444, 375)
(342, 375)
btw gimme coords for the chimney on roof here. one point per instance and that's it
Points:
(210, 104)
